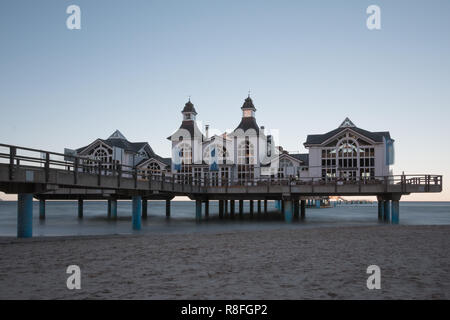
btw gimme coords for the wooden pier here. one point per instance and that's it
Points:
(45, 175)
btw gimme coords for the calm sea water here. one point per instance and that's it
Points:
(61, 218)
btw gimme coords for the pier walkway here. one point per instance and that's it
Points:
(45, 175)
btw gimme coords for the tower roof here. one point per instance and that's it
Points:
(248, 104)
(189, 107)
(117, 135)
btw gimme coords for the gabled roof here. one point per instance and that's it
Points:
(347, 124)
(117, 135)
(303, 157)
(165, 161)
(123, 144)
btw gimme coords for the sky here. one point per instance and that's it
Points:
(308, 65)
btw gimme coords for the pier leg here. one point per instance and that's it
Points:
(114, 209)
(296, 209)
(42, 209)
(232, 207)
(282, 206)
(241, 208)
(198, 210)
(265, 206)
(287, 210)
(220, 209)
(137, 212)
(380, 210)
(167, 208)
(225, 209)
(302, 209)
(259, 208)
(207, 209)
(317, 203)
(395, 211)
(251, 208)
(80, 208)
(25, 215)
(144, 208)
(109, 209)
(386, 211)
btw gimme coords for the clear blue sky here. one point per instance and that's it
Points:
(308, 64)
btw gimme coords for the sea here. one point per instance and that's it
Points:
(62, 218)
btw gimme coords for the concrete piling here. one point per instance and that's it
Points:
(137, 212)
(42, 209)
(25, 215)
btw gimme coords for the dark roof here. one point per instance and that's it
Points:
(123, 144)
(248, 104)
(166, 161)
(320, 138)
(190, 126)
(189, 107)
(304, 157)
(248, 123)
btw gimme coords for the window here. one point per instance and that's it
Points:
(222, 153)
(246, 161)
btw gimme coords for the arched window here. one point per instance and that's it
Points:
(222, 153)
(153, 168)
(102, 153)
(246, 161)
(185, 153)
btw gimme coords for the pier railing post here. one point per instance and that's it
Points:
(47, 166)
(99, 174)
(12, 155)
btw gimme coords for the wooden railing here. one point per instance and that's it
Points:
(17, 157)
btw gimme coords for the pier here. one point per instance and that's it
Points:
(45, 175)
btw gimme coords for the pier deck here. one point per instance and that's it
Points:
(49, 175)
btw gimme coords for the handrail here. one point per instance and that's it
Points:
(84, 164)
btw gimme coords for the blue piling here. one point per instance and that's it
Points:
(317, 203)
(198, 210)
(380, 210)
(80, 208)
(288, 211)
(42, 209)
(114, 209)
(25, 215)
(395, 211)
(137, 211)
(387, 211)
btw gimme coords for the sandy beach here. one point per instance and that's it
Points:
(319, 263)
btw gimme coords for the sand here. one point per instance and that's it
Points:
(320, 263)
